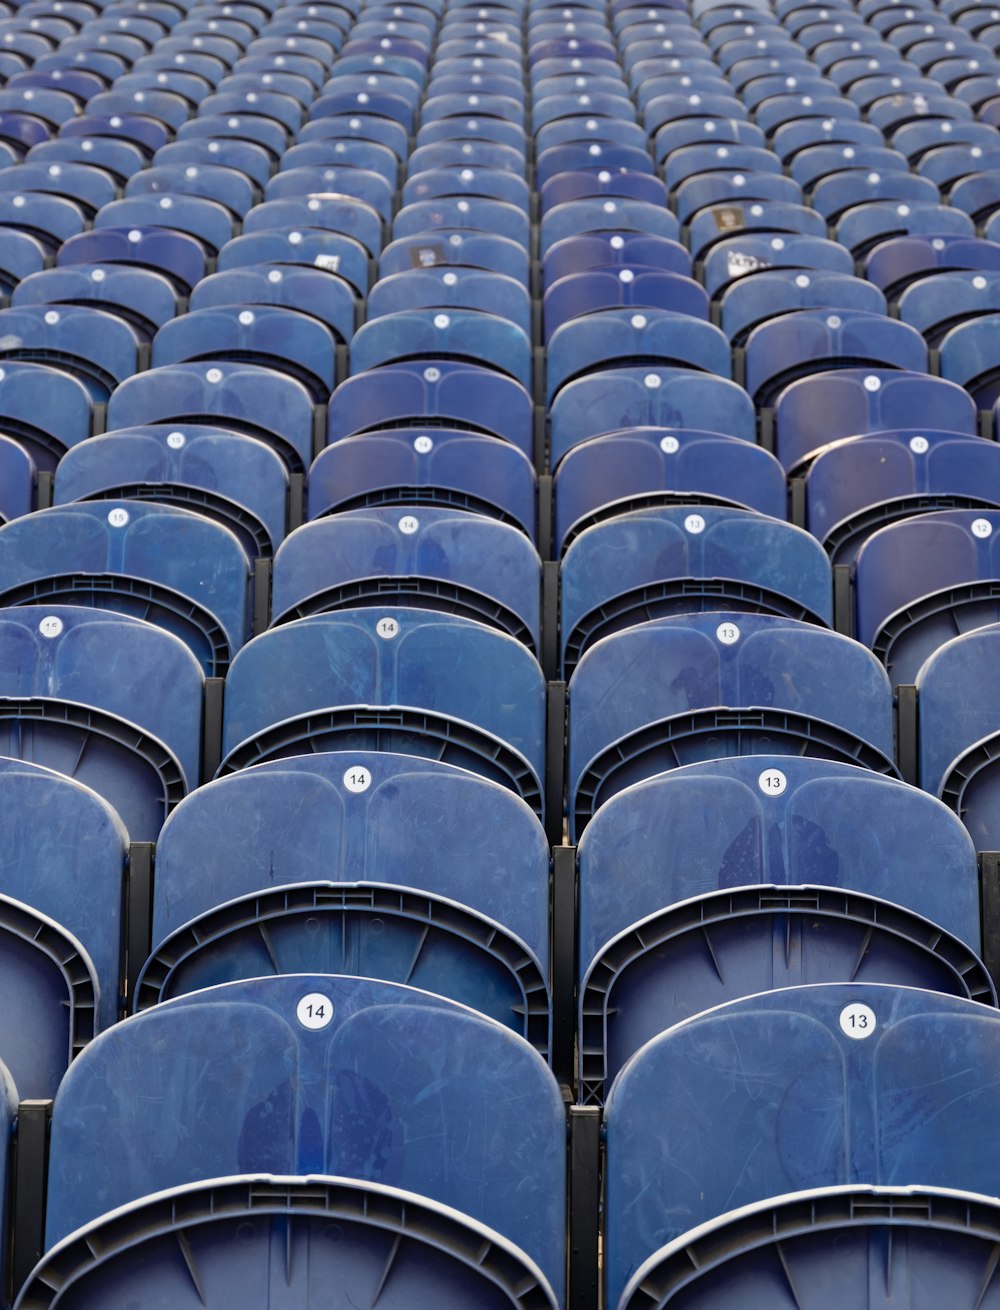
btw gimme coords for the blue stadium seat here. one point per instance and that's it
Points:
(313, 248)
(861, 483)
(613, 250)
(251, 160)
(943, 300)
(313, 291)
(97, 347)
(607, 400)
(471, 214)
(958, 720)
(446, 560)
(573, 155)
(467, 181)
(461, 335)
(169, 566)
(814, 412)
(108, 700)
(175, 255)
(966, 355)
(595, 214)
(799, 134)
(85, 185)
(226, 476)
(45, 410)
(602, 183)
(21, 255)
(688, 161)
(334, 213)
(751, 300)
(808, 341)
(394, 679)
(479, 399)
(350, 153)
(50, 219)
(359, 183)
(224, 185)
(894, 264)
(144, 299)
(921, 580)
(808, 871)
(206, 220)
(731, 258)
(644, 466)
(617, 339)
(271, 336)
(454, 288)
(261, 402)
(597, 290)
(863, 227)
(714, 685)
(411, 466)
(433, 1210)
(243, 128)
(453, 154)
(60, 904)
(801, 1133)
(650, 563)
(915, 139)
(457, 248)
(482, 941)
(148, 134)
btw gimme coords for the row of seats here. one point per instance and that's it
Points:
(331, 328)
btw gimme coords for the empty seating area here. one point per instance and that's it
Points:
(499, 621)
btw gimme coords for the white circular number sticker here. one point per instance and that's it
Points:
(423, 445)
(118, 518)
(50, 626)
(387, 629)
(694, 523)
(314, 1010)
(982, 528)
(357, 778)
(919, 445)
(857, 1021)
(772, 782)
(175, 440)
(408, 525)
(670, 445)
(728, 633)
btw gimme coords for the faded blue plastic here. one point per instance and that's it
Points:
(286, 340)
(435, 686)
(917, 581)
(620, 338)
(113, 702)
(815, 411)
(172, 567)
(466, 396)
(227, 476)
(259, 401)
(373, 864)
(446, 560)
(784, 1092)
(230, 1082)
(60, 921)
(418, 466)
(807, 341)
(608, 400)
(861, 484)
(706, 686)
(737, 876)
(957, 694)
(653, 562)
